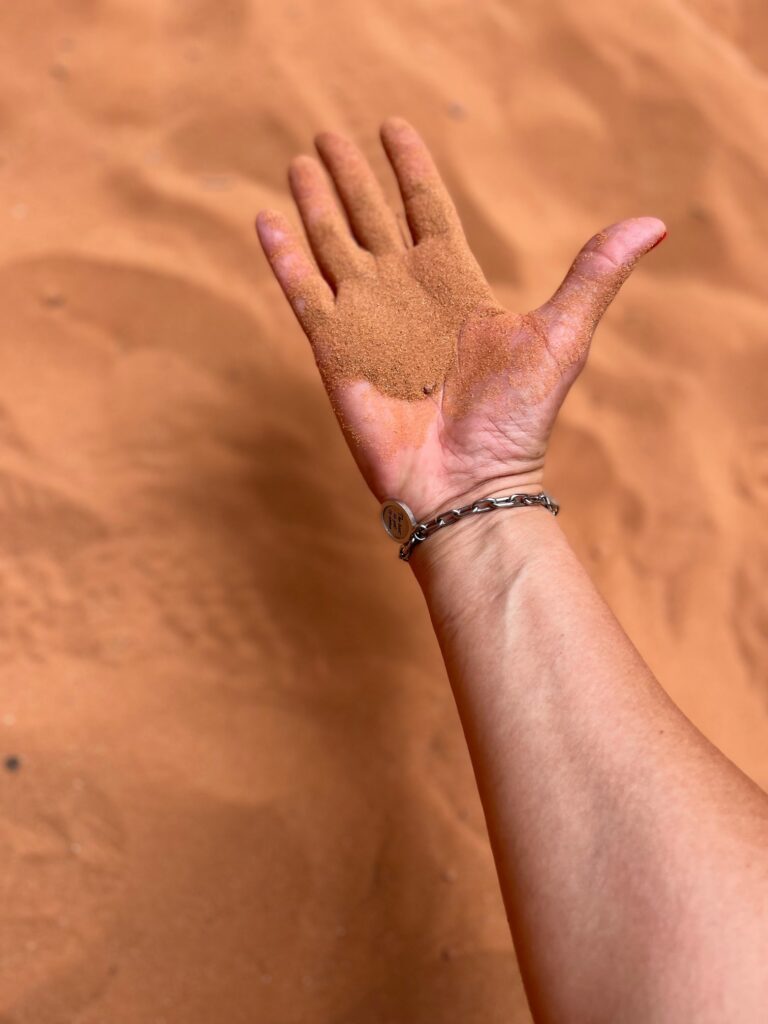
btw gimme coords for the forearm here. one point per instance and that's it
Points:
(621, 836)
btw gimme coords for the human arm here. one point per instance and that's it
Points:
(631, 854)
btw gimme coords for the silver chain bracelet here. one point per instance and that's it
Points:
(400, 523)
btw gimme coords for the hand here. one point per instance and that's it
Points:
(443, 395)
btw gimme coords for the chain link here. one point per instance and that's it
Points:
(453, 515)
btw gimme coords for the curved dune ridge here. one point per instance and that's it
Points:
(234, 786)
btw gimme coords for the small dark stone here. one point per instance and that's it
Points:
(53, 299)
(699, 212)
(59, 71)
(12, 763)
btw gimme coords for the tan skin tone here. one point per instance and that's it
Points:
(502, 437)
(631, 854)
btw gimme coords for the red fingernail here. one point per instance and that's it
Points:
(658, 241)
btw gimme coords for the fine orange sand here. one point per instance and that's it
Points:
(241, 792)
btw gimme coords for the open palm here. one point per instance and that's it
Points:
(443, 395)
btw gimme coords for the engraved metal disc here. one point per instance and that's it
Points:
(398, 520)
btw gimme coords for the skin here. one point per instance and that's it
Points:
(504, 433)
(631, 854)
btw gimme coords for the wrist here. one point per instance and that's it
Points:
(483, 555)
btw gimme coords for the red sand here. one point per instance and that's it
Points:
(243, 794)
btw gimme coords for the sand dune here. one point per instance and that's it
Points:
(241, 791)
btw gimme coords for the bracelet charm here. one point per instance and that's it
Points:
(398, 520)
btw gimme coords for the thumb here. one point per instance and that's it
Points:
(606, 261)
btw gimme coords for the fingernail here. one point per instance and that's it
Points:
(658, 241)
